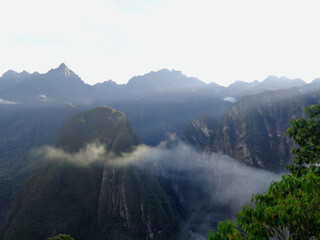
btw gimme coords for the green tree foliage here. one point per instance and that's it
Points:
(226, 230)
(305, 133)
(290, 209)
(61, 237)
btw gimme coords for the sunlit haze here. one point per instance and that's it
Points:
(215, 41)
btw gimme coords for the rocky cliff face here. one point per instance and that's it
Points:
(133, 204)
(201, 132)
(253, 129)
(96, 200)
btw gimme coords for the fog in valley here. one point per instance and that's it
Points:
(211, 186)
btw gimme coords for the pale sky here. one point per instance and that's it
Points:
(214, 40)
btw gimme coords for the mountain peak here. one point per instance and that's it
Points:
(62, 69)
(282, 78)
(62, 66)
(9, 73)
(24, 74)
(102, 124)
(274, 82)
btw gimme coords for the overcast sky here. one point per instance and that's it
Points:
(214, 40)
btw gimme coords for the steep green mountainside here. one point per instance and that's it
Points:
(21, 130)
(105, 124)
(97, 200)
(253, 129)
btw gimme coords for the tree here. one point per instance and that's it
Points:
(305, 133)
(61, 237)
(290, 209)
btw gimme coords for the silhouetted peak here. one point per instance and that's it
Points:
(282, 78)
(165, 79)
(163, 70)
(63, 70)
(9, 73)
(239, 83)
(317, 80)
(111, 82)
(283, 81)
(63, 66)
(24, 74)
(35, 73)
(15, 75)
(106, 84)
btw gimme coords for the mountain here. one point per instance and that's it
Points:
(311, 87)
(12, 78)
(239, 89)
(37, 106)
(159, 84)
(97, 200)
(58, 85)
(109, 91)
(63, 85)
(157, 103)
(276, 83)
(22, 130)
(161, 103)
(164, 82)
(107, 125)
(201, 132)
(253, 129)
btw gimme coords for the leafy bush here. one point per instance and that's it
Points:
(61, 237)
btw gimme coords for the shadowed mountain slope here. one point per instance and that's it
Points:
(96, 200)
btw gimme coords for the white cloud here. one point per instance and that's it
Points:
(229, 99)
(2, 101)
(43, 98)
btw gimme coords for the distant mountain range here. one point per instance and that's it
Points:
(56, 86)
(63, 85)
(150, 101)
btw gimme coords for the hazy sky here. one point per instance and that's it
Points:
(214, 40)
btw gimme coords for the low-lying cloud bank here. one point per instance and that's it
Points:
(213, 186)
(223, 178)
(2, 101)
(93, 152)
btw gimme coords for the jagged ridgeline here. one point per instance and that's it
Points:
(92, 201)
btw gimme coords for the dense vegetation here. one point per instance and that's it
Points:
(290, 207)
(61, 237)
(92, 199)
(22, 130)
